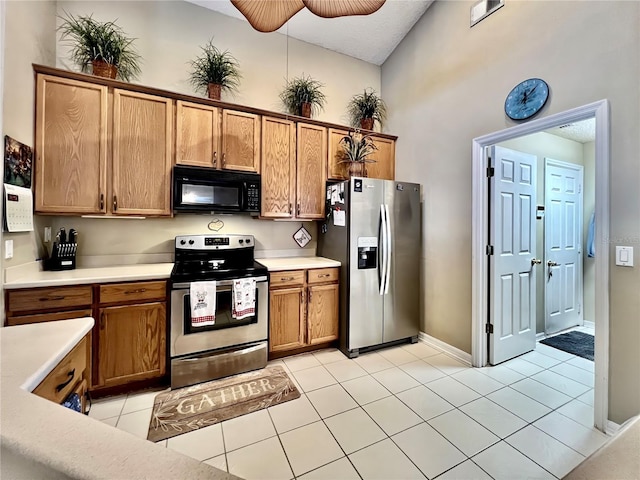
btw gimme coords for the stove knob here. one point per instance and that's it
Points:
(191, 242)
(241, 241)
(248, 240)
(182, 242)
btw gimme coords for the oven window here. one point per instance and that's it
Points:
(224, 318)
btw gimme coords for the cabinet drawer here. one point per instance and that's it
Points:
(49, 298)
(323, 275)
(65, 377)
(134, 292)
(286, 278)
(48, 317)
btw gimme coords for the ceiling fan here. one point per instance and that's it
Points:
(270, 15)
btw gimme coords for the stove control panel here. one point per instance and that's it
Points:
(214, 242)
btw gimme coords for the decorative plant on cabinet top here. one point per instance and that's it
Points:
(101, 45)
(366, 108)
(215, 71)
(303, 96)
(357, 148)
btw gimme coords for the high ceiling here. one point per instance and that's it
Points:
(371, 38)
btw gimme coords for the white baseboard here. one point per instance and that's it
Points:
(589, 324)
(612, 427)
(540, 336)
(445, 348)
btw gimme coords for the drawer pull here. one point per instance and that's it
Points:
(51, 299)
(139, 290)
(71, 374)
(324, 275)
(287, 279)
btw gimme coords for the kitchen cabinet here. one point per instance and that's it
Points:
(383, 167)
(303, 309)
(294, 158)
(335, 169)
(207, 136)
(33, 305)
(85, 131)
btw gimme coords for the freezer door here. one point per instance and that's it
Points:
(365, 301)
(402, 300)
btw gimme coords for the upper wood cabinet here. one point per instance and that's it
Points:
(197, 134)
(240, 141)
(70, 146)
(311, 176)
(335, 169)
(142, 131)
(73, 122)
(385, 159)
(278, 168)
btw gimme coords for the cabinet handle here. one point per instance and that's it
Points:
(301, 298)
(51, 299)
(290, 209)
(324, 275)
(287, 279)
(215, 159)
(310, 294)
(71, 374)
(298, 210)
(102, 201)
(139, 290)
(224, 160)
(115, 203)
(102, 321)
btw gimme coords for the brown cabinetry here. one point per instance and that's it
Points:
(74, 121)
(303, 309)
(294, 159)
(384, 166)
(50, 303)
(207, 136)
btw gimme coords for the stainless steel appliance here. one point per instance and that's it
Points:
(373, 227)
(202, 353)
(202, 189)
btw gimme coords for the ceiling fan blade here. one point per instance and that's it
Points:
(342, 8)
(268, 15)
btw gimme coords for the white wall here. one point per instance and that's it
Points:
(589, 263)
(446, 83)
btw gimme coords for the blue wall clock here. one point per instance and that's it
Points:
(526, 99)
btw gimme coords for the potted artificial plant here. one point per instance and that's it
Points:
(303, 96)
(214, 71)
(356, 148)
(366, 108)
(101, 45)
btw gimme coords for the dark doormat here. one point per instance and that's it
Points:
(577, 343)
(190, 408)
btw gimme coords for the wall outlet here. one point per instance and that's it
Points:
(8, 249)
(47, 234)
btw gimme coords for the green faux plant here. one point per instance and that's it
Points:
(357, 147)
(367, 105)
(93, 41)
(303, 96)
(215, 67)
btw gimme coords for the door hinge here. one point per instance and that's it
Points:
(488, 328)
(489, 250)
(490, 171)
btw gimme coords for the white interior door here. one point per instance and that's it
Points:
(563, 244)
(513, 265)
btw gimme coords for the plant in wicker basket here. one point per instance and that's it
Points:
(214, 71)
(103, 46)
(356, 148)
(303, 96)
(366, 108)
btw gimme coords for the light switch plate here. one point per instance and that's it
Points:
(8, 249)
(47, 234)
(624, 256)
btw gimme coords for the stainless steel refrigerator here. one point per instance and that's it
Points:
(374, 227)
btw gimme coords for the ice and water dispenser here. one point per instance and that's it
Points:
(367, 253)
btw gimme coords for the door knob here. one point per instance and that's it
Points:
(535, 261)
(551, 264)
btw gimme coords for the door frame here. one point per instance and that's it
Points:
(480, 229)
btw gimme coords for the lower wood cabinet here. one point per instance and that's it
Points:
(303, 308)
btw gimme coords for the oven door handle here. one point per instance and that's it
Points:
(222, 283)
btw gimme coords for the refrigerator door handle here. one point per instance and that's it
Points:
(384, 248)
(389, 249)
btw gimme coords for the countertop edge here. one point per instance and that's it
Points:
(297, 263)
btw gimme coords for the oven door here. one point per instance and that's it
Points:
(186, 339)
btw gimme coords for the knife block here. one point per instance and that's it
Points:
(60, 260)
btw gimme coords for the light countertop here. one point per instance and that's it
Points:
(120, 273)
(297, 263)
(57, 442)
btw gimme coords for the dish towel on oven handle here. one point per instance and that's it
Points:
(244, 298)
(203, 303)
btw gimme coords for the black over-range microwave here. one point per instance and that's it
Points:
(203, 189)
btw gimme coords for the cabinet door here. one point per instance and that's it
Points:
(131, 343)
(322, 311)
(286, 319)
(197, 134)
(240, 141)
(385, 157)
(337, 170)
(142, 131)
(278, 168)
(311, 171)
(70, 146)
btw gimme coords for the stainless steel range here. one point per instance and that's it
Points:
(231, 345)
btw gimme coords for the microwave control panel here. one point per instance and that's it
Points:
(253, 196)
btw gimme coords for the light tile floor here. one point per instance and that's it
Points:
(405, 412)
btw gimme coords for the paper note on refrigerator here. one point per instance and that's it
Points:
(18, 204)
(339, 218)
